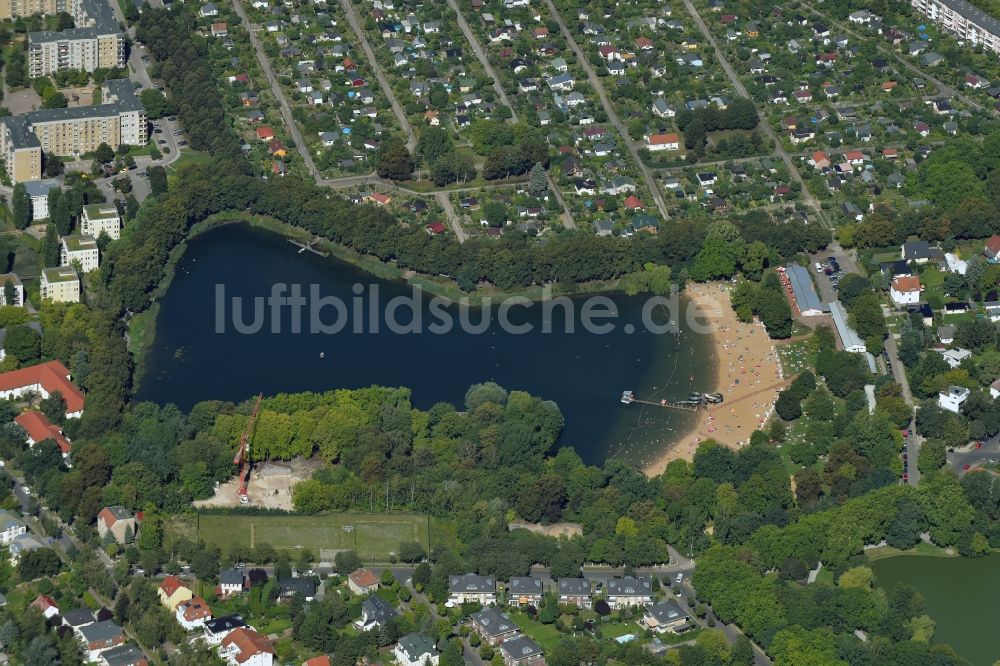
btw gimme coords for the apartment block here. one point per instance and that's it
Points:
(96, 42)
(82, 250)
(72, 131)
(963, 20)
(61, 285)
(101, 218)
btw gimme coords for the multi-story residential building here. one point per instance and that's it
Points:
(60, 285)
(101, 218)
(80, 250)
(20, 149)
(472, 588)
(38, 192)
(97, 41)
(121, 119)
(15, 282)
(629, 591)
(575, 591)
(964, 20)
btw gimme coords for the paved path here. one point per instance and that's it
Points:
(595, 82)
(807, 196)
(404, 122)
(453, 220)
(286, 111)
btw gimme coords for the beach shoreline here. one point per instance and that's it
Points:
(747, 371)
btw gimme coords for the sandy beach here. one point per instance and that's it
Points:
(747, 373)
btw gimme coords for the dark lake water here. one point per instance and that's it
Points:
(584, 373)
(962, 597)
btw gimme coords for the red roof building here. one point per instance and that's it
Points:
(321, 660)
(45, 605)
(992, 248)
(435, 228)
(39, 428)
(46, 379)
(633, 203)
(243, 644)
(265, 133)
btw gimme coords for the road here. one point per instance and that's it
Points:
(973, 457)
(404, 122)
(279, 94)
(807, 196)
(477, 48)
(581, 58)
(944, 89)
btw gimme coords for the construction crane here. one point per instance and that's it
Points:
(243, 453)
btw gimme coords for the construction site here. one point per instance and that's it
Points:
(266, 484)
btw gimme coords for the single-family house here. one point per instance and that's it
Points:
(362, 581)
(289, 587)
(953, 398)
(658, 142)
(45, 605)
(231, 581)
(954, 357)
(376, 613)
(100, 636)
(666, 616)
(173, 592)
(521, 651)
(245, 647)
(416, 650)
(493, 626)
(119, 521)
(214, 631)
(905, 290)
(11, 527)
(193, 613)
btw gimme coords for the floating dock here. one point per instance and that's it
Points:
(628, 397)
(308, 246)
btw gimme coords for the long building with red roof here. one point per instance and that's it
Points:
(39, 428)
(44, 379)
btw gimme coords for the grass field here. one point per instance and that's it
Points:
(374, 537)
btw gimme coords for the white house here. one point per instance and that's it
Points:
(245, 647)
(955, 265)
(215, 631)
(953, 398)
(658, 142)
(10, 527)
(905, 290)
(416, 650)
(38, 192)
(954, 357)
(193, 613)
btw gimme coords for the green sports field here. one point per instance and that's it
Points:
(373, 536)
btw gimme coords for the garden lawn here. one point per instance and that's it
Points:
(546, 635)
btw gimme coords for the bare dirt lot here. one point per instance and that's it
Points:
(270, 484)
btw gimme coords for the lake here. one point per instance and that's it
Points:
(198, 354)
(962, 597)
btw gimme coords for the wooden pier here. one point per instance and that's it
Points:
(308, 246)
(628, 399)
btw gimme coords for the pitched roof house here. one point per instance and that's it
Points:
(172, 592)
